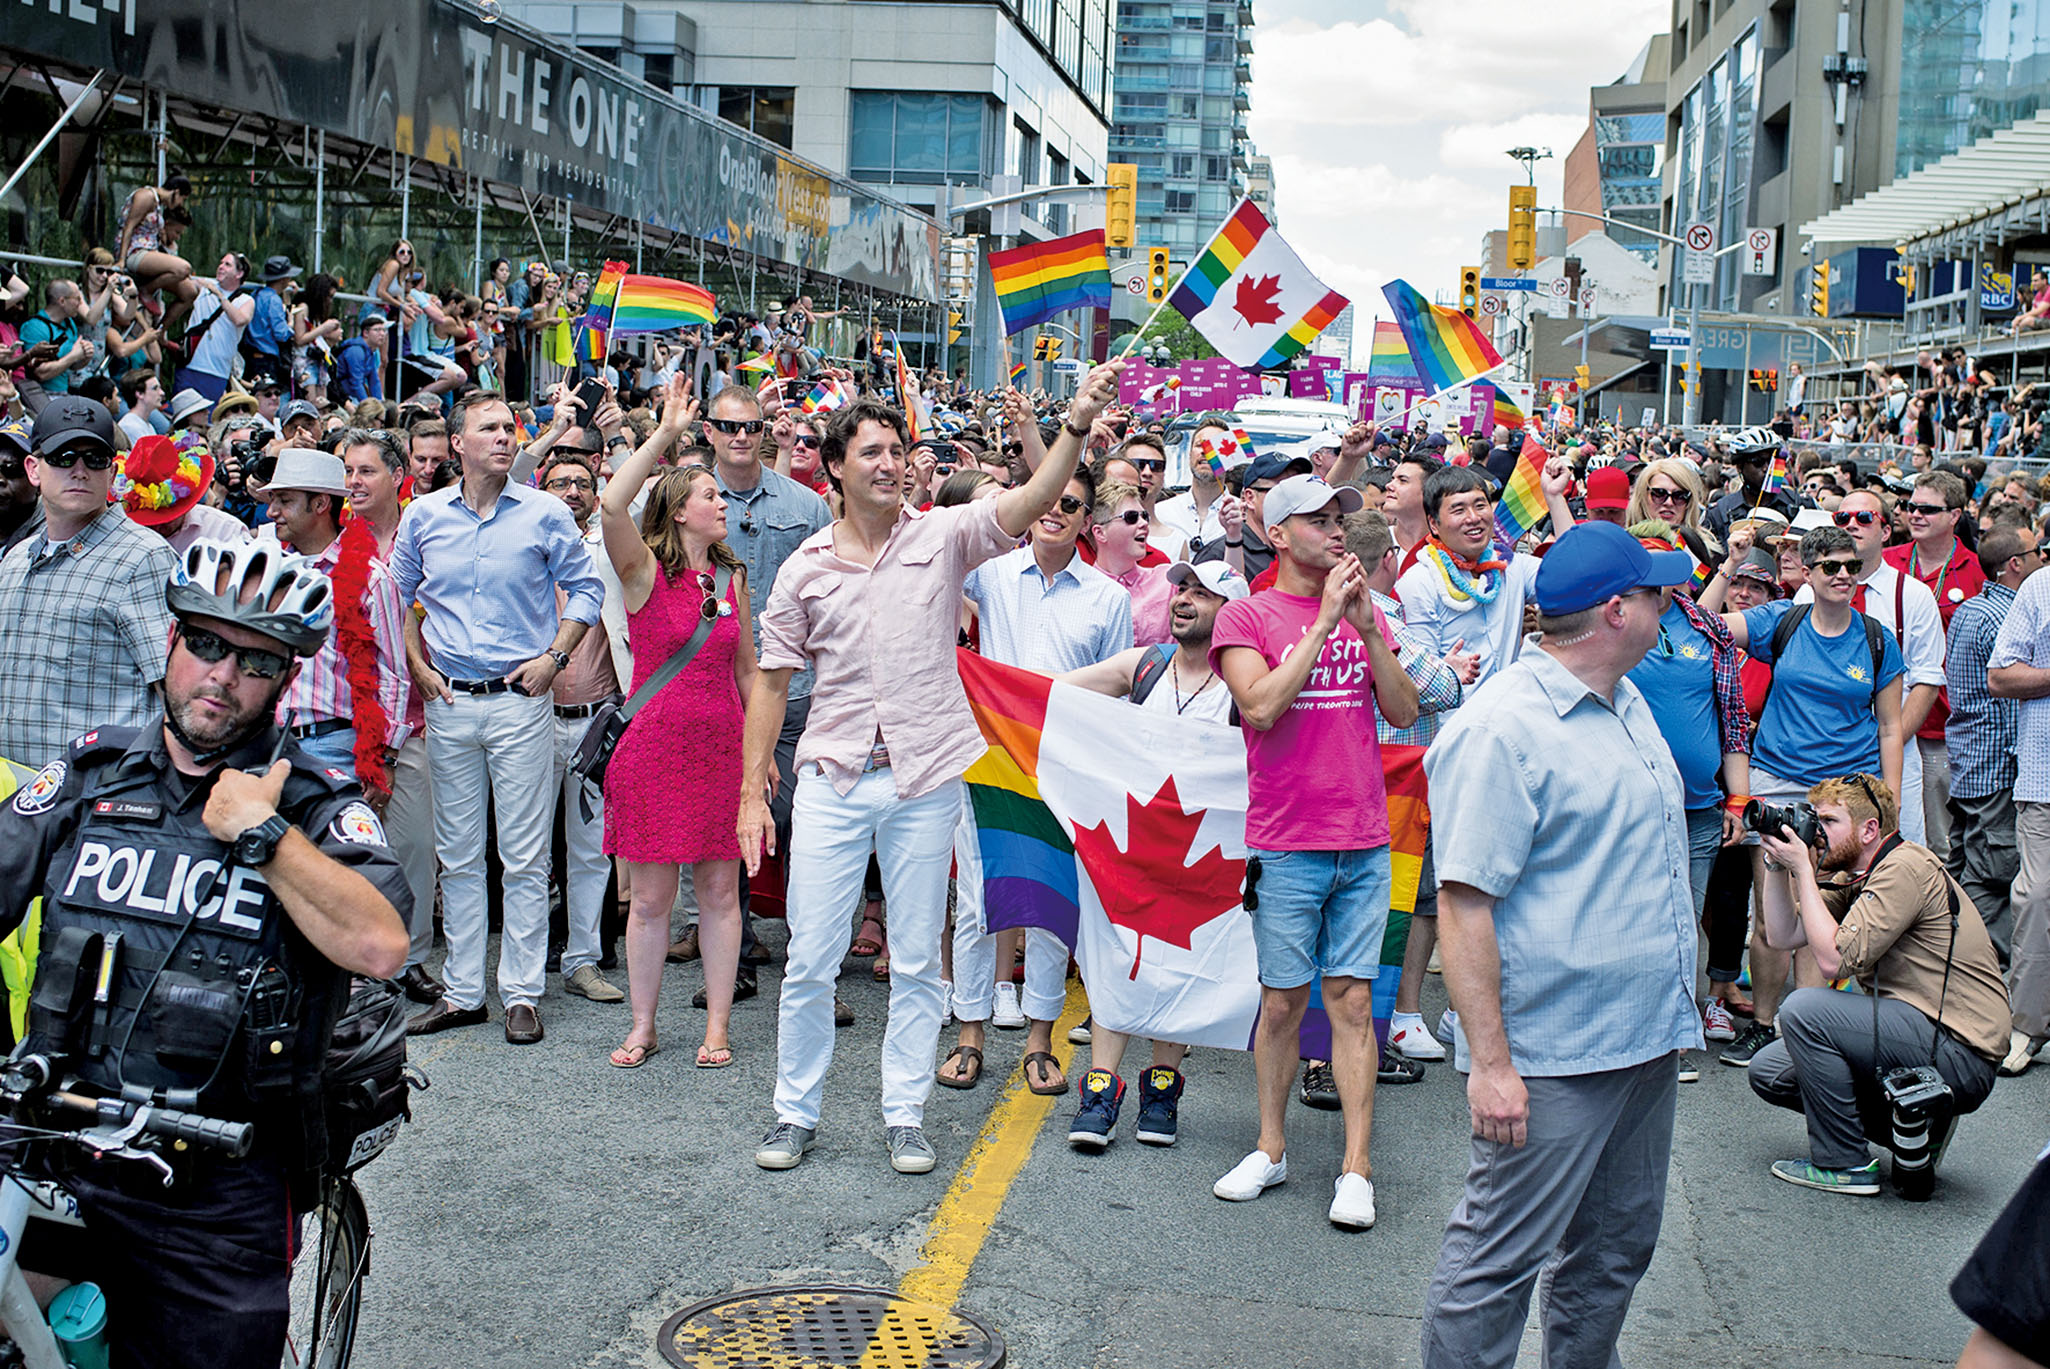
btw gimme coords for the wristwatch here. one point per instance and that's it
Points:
(617, 440)
(561, 659)
(257, 845)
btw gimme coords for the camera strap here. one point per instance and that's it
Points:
(1949, 956)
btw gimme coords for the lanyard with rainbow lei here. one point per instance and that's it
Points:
(1460, 585)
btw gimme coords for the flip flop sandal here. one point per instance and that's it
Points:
(970, 1060)
(714, 1057)
(636, 1056)
(1045, 1090)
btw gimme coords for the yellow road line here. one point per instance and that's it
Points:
(970, 1207)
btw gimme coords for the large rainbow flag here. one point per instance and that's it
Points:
(1250, 295)
(1448, 347)
(1390, 360)
(656, 304)
(1136, 854)
(1042, 279)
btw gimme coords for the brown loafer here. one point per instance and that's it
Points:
(522, 1024)
(444, 1015)
(684, 948)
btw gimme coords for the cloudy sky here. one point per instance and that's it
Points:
(1387, 121)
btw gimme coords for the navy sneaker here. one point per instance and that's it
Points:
(1096, 1121)
(1160, 1093)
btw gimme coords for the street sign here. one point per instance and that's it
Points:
(1493, 305)
(1507, 283)
(1136, 285)
(1561, 287)
(1699, 266)
(1586, 299)
(1669, 339)
(1761, 251)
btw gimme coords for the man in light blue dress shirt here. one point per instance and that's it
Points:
(483, 559)
(1566, 927)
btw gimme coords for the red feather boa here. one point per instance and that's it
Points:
(359, 650)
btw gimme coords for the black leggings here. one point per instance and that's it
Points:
(1726, 912)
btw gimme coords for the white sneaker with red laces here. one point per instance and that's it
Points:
(1716, 1022)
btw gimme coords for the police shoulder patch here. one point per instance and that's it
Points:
(358, 826)
(40, 792)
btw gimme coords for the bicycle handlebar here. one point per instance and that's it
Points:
(208, 1133)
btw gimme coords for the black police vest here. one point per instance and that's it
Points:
(166, 970)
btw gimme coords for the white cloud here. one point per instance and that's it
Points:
(1388, 129)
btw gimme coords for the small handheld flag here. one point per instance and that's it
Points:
(825, 397)
(1776, 481)
(1523, 499)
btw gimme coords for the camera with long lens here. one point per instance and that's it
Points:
(1794, 821)
(1917, 1098)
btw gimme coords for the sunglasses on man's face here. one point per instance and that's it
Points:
(1928, 510)
(1131, 518)
(1864, 518)
(212, 648)
(1071, 506)
(1147, 463)
(1831, 569)
(730, 426)
(66, 459)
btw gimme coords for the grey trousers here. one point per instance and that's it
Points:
(1580, 1203)
(2028, 966)
(409, 825)
(1824, 1067)
(1984, 861)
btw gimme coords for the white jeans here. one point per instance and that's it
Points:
(499, 747)
(975, 950)
(831, 837)
(409, 826)
(1913, 826)
(583, 883)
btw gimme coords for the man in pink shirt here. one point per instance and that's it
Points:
(1308, 663)
(872, 604)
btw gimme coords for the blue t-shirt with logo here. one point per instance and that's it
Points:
(1677, 678)
(1818, 723)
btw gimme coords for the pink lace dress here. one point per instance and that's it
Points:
(672, 791)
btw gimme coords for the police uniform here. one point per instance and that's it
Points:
(220, 1005)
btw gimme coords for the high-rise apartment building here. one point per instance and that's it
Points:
(1182, 88)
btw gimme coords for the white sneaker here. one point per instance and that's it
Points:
(1352, 1202)
(1716, 1022)
(1409, 1037)
(1251, 1177)
(1007, 1013)
(1448, 1023)
(2021, 1050)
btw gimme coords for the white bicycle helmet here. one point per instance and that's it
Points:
(258, 585)
(1745, 441)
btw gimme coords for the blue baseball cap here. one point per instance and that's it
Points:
(1595, 561)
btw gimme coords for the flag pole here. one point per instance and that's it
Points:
(1470, 380)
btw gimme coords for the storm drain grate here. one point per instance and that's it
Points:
(812, 1326)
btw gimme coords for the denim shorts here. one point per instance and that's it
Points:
(1320, 913)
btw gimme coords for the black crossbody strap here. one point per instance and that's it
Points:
(1949, 957)
(679, 658)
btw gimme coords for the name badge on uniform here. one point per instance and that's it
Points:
(128, 810)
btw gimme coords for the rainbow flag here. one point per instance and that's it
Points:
(1215, 457)
(1250, 295)
(1390, 359)
(1523, 500)
(760, 365)
(656, 304)
(1703, 573)
(1140, 865)
(825, 397)
(1777, 480)
(1042, 279)
(1504, 410)
(1447, 346)
(908, 398)
(1018, 371)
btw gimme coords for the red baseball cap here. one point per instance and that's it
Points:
(1608, 488)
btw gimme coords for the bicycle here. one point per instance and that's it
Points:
(327, 1290)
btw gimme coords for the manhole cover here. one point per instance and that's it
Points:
(819, 1325)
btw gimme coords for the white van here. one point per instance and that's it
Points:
(1269, 421)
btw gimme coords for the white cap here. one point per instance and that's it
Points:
(1215, 576)
(300, 468)
(1307, 494)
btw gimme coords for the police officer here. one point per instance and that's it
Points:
(231, 886)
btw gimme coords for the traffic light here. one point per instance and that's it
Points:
(1522, 227)
(1046, 348)
(1122, 208)
(1156, 274)
(1470, 290)
(1582, 377)
(953, 326)
(1765, 378)
(1818, 303)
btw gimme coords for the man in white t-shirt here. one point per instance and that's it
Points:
(213, 331)
(1174, 678)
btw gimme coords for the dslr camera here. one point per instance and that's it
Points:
(1794, 821)
(1916, 1098)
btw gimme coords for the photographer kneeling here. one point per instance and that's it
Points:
(1896, 922)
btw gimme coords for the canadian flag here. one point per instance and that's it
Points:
(1250, 295)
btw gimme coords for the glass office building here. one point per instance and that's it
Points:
(1980, 66)
(1180, 96)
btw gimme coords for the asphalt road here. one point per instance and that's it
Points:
(545, 1209)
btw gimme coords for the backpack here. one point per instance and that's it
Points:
(367, 1085)
(1783, 634)
(1146, 675)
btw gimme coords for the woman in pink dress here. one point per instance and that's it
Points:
(672, 790)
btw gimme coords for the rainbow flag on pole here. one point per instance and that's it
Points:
(1018, 372)
(1250, 295)
(656, 304)
(825, 397)
(1447, 346)
(1504, 410)
(1042, 279)
(1776, 481)
(1523, 501)
(1390, 360)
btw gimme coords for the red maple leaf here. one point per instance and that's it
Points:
(1256, 296)
(1147, 887)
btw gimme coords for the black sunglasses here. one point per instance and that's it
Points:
(70, 456)
(807, 441)
(1071, 505)
(1864, 518)
(1667, 496)
(730, 426)
(1928, 510)
(1131, 518)
(1834, 567)
(1150, 463)
(212, 648)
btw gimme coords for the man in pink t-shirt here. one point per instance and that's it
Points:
(1308, 662)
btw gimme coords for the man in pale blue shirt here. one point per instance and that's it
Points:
(1566, 925)
(483, 559)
